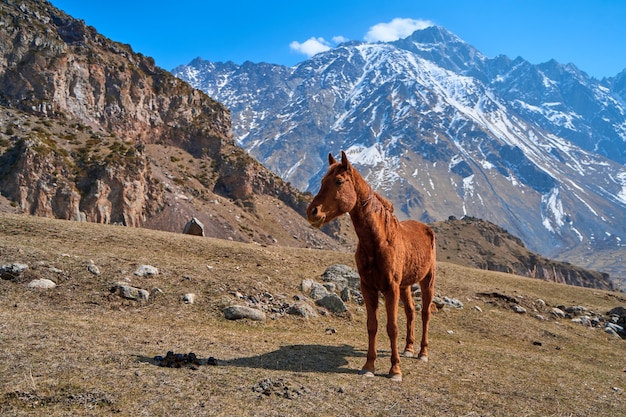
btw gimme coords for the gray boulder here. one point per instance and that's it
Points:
(302, 309)
(129, 292)
(342, 276)
(146, 270)
(333, 303)
(12, 271)
(242, 312)
(194, 227)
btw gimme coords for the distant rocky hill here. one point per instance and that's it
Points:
(93, 131)
(477, 243)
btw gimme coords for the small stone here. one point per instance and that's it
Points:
(306, 285)
(439, 303)
(194, 227)
(43, 284)
(519, 309)
(146, 270)
(585, 321)
(612, 332)
(93, 268)
(453, 302)
(189, 298)
(477, 308)
(318, 291)
(558, 312)
(575, 310)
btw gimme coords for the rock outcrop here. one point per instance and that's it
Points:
(93, 131)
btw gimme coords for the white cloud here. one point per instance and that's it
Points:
(396, 29)
(311, 46)
(339, 39)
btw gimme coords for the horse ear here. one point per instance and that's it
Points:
(331, 160)
(344, 160)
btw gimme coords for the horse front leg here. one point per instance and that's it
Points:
(409, 310)
(371, 304)
(427, 286)
(392, 296)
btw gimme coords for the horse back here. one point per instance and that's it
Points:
(420, 247)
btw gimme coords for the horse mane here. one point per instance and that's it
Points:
(386, 203)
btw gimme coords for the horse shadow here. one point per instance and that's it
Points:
(302, 358)
(292, 358)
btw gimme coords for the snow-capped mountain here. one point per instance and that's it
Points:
(442, 130)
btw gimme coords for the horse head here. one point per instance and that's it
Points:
(337, 193)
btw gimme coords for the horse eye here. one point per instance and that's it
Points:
(339, 181)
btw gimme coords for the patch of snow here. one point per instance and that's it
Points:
(553, 216)
(621, 195)
(366, 156)
(468, 185)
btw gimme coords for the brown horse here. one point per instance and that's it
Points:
(390, 257)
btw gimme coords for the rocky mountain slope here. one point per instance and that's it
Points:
(442, 130)
(93, 131)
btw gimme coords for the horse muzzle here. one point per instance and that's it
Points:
(315, 218)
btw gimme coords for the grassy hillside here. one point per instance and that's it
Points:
(79, 349)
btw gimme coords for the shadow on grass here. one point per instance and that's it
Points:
(294, 358)
(302, 358)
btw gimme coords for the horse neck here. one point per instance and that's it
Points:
(371, 219)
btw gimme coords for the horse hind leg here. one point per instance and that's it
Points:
(409, 310)
(427, 286)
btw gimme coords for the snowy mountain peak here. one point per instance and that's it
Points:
(442, 130)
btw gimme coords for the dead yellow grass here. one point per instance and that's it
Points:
(79, 350)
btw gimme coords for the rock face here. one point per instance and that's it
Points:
(57, 67)
(92, 131)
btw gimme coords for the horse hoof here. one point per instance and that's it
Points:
(366, 373)
(423, 358)
(408, 354)
(396, 377)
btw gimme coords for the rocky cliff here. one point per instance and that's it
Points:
(94, 131)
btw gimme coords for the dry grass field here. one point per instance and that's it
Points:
(78, 349)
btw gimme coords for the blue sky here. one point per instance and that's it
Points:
(589, 33)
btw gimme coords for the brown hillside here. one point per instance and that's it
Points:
(79, 349)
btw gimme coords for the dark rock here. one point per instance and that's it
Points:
(194, 227)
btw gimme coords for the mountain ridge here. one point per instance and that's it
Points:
(442, 130)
